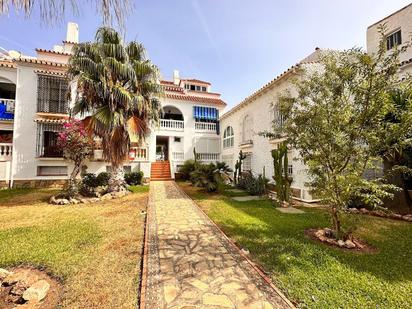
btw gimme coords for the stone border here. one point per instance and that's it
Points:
(143, 273)
(237, 252)
(381, 214)
(87, 200)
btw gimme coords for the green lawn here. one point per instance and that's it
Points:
(94, 249)
(311, 274)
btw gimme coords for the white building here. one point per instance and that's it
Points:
(34, 105)
(242, 124)
(398, 32)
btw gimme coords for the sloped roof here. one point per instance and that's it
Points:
(194, 80)
(41, 50)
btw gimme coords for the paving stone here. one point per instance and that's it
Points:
(290, 210)
(246, 198)
(190, 264)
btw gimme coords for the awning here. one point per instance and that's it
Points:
(208, 113)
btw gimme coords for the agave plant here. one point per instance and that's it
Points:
(117, 92)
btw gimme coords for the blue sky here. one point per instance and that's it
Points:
(237, 45)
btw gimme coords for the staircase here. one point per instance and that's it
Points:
(160, 171)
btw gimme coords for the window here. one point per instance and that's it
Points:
(52, 94)
(393, 39)
(192, 87)
(197, 88)
(278, 118)
(247, 132)
(290, 169)
(177, 139)
(203, 88)
(51, 170)
(247, 162)
(46, 144)
(228, 138)
(187, 86)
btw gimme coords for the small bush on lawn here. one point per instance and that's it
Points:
(133, 178)
(253, 185)
(187, 168)
(103, 179)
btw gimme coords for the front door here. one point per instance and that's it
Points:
(162, 148)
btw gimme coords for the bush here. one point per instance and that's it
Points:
(103, 179)
(133, 178)
(253, 185)
(188, 167)
(90, 180)
(206, 176)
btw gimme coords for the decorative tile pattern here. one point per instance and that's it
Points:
(191, 264)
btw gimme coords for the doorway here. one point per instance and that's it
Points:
(162, 148)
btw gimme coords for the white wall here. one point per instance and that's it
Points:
(261, 111)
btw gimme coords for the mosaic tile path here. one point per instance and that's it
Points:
(189, 263)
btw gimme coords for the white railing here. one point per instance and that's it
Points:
(169, 124)
(208, 157)
(9, 104)
(139, 154)
(178, 156)
(6, 150)
(205, 126)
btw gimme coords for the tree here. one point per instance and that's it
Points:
(77, 146)
(53, 10)
(396, 137)
(335, 121)
(118, 86)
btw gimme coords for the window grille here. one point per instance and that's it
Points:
(46, 144)
(52, 94)
(278, 118)
(393, 39)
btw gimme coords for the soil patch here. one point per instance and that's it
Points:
(19, 280)
(354, 245)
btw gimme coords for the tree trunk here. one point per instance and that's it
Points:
(116, 181)
(336, 222)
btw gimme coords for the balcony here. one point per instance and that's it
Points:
(178, 156)
(6, 150)
(208, 157)
(6, 109)
(206, 127)
(172, 125)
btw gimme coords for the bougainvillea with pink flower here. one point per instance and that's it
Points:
(77, 146)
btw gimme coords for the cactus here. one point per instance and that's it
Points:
(239, 162)
(195, 154)
(280, 176)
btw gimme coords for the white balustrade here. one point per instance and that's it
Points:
(9, 104)
(205, 126)
(174, 125)
(139, 154)
(178, 156)
(6, 150)
(208, 157)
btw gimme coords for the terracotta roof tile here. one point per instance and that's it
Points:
(193, 80)
(43, 62)
(7, 64)
(195, 99)
(41, 50)
(44, 72)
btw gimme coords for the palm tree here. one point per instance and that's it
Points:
(54, 10)
(117, 89)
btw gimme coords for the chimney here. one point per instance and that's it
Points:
(176, 77)
(72, 32)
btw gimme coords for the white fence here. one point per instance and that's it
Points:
(139, 154)
(208, 157)
(178, 156)
(6, 150)
(175, 125)
(205, 126)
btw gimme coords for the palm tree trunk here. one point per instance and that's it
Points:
(116, 181)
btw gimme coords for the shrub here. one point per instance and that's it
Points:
(90, 180)
(206, 176)
(253, 185)
(133, 178)
(187, 168)
(103, 179)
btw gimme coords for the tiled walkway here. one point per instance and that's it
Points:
(190, 264)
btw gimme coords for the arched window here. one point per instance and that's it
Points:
(228, 137)
(247, 131)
